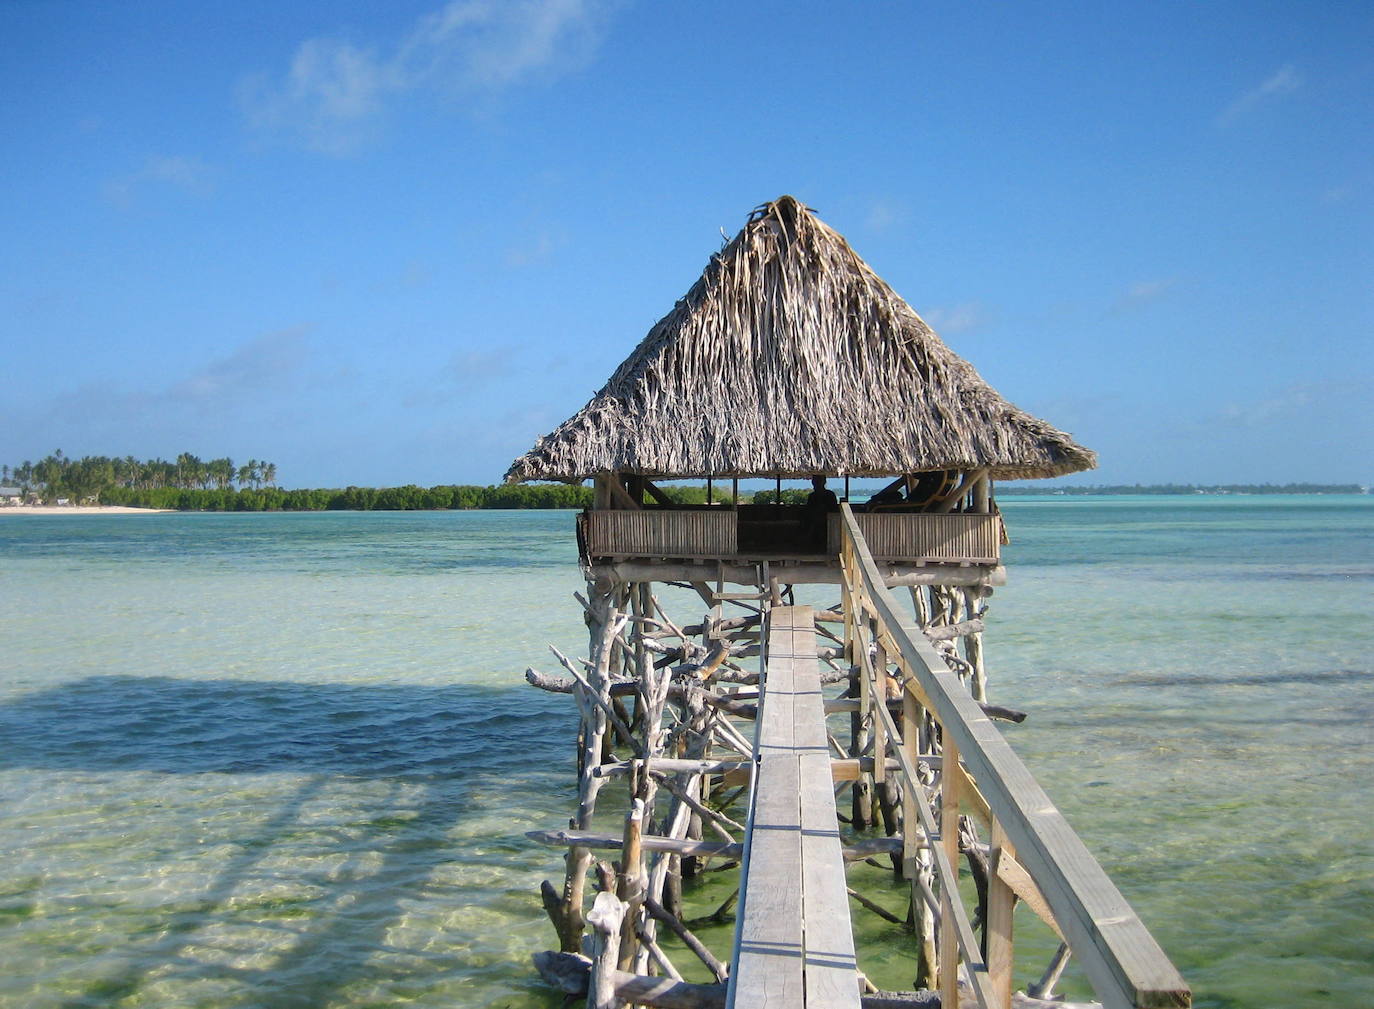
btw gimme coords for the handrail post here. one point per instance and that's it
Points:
(915, 861)
(880, 688)
(862, 808)
(999, 918)
(949, 840)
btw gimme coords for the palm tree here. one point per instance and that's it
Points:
(269, 473)
(220, 472)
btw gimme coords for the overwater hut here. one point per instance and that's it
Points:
(791, 358)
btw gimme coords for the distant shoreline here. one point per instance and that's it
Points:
(78, 510)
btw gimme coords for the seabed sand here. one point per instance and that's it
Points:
(78, 510)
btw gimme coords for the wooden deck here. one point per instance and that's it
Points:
(794, 945)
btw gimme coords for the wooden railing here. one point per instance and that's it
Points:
(1034, 853)
(926, 536)
(709, 533)
(714, 533)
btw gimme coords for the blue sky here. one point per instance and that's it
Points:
(391, 242)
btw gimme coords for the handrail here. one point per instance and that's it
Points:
(1123, 962)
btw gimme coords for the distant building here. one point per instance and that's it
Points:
(11, 496)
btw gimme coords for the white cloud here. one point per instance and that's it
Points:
(334, 96)
(538, 248)
(1142, 292)
(189, 175)
(883, 215)
(257, 366)
(953, 319)
(478, 366)
(499, 43)
(1283, 81)
(253, 392)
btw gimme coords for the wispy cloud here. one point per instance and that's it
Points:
(334, 96)
(467, 372)
(261, 365)
(232, 393)
(1143, 292)
(188, 175)
(954, 319)
(468, 368)
(884, 214)
(1283, 81)
(538, 248)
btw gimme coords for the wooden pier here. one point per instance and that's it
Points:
(949, 786)
(790, 359)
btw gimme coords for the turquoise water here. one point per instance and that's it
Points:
(288, 760)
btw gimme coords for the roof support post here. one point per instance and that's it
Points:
(619, 496)
(957, 495)
(982, 495)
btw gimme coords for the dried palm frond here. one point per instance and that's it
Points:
(789, 357)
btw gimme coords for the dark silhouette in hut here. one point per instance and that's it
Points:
(819, 504)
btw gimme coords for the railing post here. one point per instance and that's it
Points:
(973, 649)
(949, 840)
(1035, 853)
(862, 808)
(880, 678)
(916, 861)
(999, 921)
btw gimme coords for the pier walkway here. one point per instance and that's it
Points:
(950, 789)
(794, 946)
(794, 942)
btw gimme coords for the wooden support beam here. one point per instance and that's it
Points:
(800, 573)
(855, 851)
(998, 925)
(568, 972)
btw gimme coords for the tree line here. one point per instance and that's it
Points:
(192, 484)
(410, 497)
(86, 479)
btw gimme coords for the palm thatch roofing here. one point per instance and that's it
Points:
(790, 357)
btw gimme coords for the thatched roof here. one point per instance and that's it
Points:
(789, 357)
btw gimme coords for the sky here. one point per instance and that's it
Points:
(395, 242)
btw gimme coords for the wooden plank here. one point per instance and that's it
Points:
(830, 965)
(767, 967)
(769, 947)
(794, 943)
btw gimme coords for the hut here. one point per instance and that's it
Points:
(788, 359)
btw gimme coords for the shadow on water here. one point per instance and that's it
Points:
(183, 726)
(434, 744)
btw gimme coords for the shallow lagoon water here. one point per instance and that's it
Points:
(288, 760)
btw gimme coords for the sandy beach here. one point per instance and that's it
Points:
(78, 510)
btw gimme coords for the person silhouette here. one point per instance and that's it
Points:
(819, 503)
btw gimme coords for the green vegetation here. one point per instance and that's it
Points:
(88, 479)
(792, 496)
(191, 484)
(407, 498)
